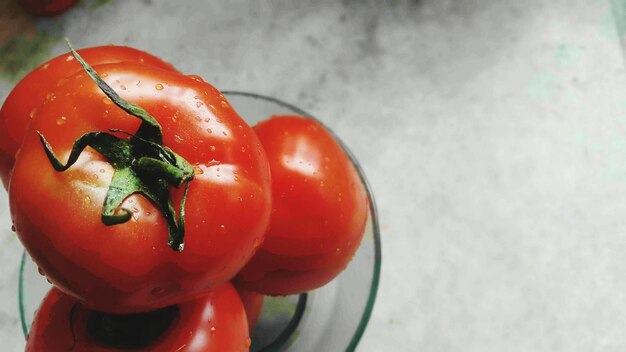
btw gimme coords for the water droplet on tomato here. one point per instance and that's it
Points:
(212, 148)
(107, 101)
(210, 131)
(104, 75)
(158, 86)
(61, 121)
(33, 112)
(157, 291)
(247, 342)
(122, 87)
(196, 78)
(199, 104)
(257, 242)
(41, 272)
(197, 170)
(224, 104)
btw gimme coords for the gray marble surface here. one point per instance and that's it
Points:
(493, 134)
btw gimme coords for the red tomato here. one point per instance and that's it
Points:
(253, 304)
(22, 103)
(214, 322)
(319, 209)
(129, 267)
(47, 7)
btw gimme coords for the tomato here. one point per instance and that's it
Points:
(130, 266)
(319, 209)
(47, 7)
(22, 103)
(214, 322)
(253, 304)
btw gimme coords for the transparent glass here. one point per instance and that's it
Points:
(332, 318)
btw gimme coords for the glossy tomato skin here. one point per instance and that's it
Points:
(319, 209)
(47, 7)
(21, 104)
(214, 322)
(129, 267)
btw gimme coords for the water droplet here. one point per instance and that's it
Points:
(107, 101)
(196, 78)
(247, 342)
(102, 171)
(157, 291)
(50, 97)
(209, 130)
(122, 87)
(104, 75)
(47, 64)
(224, 133)
(207, 119)
(87, 199)
(243, 149)
(41, 272)
(197, 171)
(61, 121)
(257, 242)
(138, 83)
(199, 104)
(158, 86)
(33, 112)
(224, 104)
(212, 148)
(13, 228)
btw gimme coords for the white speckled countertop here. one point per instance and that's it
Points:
(493, 134)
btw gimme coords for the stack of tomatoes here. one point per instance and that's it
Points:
(143, 198)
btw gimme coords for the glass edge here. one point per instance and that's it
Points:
(369, 307)
(20, 295)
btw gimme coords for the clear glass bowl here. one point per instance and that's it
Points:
(332, 318)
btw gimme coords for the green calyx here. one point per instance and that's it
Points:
(142, 164)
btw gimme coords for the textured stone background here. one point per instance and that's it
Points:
(493, 134)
